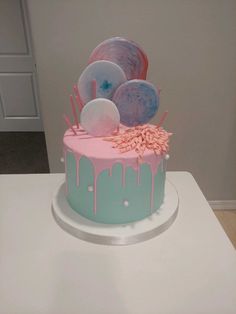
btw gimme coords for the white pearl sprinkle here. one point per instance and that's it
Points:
(61, 159)
(90, 188)
(126, 203)
(167, 157)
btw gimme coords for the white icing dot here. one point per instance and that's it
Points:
(167, 157)
(90, 188)
(126, 203)
(61, 159)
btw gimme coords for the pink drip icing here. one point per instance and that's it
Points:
(138, 174)
(154, 169)
(152, 191)
(123, 174)
(95, 194)
(77, 171)
(99, 166)
(65, 162)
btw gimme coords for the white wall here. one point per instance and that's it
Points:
(191, 47)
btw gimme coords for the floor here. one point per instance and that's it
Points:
(23, 152)
(227, 218)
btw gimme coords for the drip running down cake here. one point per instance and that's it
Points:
(115, 160)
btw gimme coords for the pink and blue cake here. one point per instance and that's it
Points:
(115, 161)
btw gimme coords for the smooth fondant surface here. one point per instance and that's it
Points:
(120, 234)
(111, 194)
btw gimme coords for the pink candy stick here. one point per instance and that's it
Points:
(78, 98)
(159, 91)
(67, 121)
(78, 101)
(74, 111)
(116, 132)
(94, 89)
(76, 90)
(162, 119)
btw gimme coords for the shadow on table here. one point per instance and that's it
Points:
(86, 283)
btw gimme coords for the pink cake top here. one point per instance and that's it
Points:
(96, 147)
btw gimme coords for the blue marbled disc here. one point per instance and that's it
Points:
(137, 102)
(108, 77)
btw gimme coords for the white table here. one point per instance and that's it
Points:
(190, 268)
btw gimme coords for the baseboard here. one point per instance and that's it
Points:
(223, 205)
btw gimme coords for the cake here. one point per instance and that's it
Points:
(115, 160)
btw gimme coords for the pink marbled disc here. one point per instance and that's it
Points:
(125, 53)
(100, 117)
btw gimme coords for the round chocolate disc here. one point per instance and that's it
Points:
(137, 102)
(100, 117)
(105, 75)
(126, 53)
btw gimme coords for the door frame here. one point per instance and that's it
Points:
(22, 63)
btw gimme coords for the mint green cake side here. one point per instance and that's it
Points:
(116, 204)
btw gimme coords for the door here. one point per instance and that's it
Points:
(19, 109)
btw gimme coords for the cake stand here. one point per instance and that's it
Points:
(115, 234)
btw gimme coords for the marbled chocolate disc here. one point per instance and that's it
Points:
(137, 102)
(126, 53)
(107, 76)
(100, 117)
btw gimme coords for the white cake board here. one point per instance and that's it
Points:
(113, 234)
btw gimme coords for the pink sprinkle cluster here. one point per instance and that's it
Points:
(140, 138)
